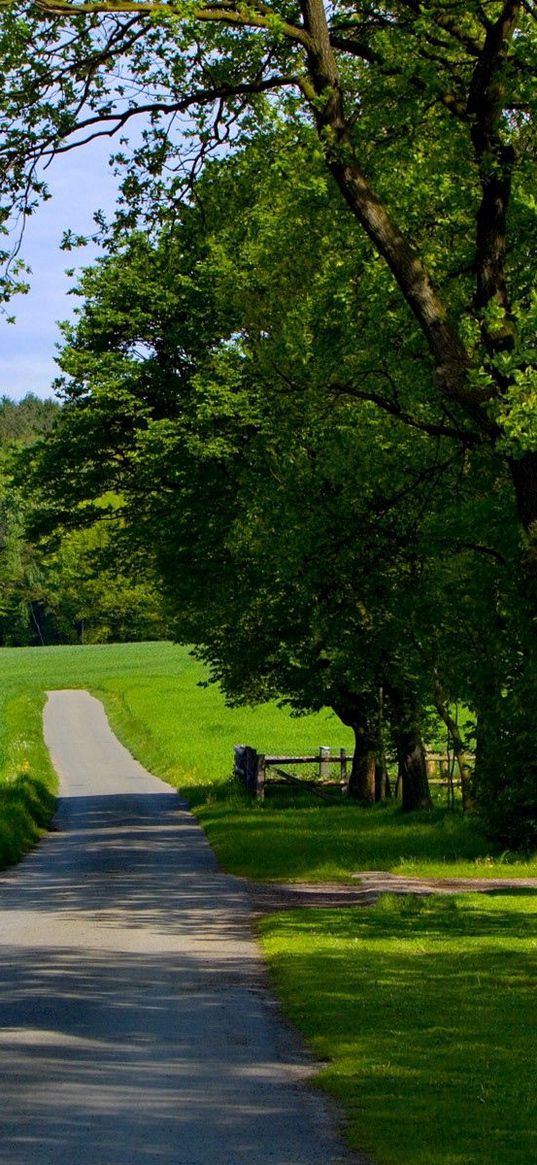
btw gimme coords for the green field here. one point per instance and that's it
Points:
(185, 734)
(182, 731)
(423, 1010)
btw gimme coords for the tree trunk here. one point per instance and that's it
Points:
(362, 783)
(524, 475)
(383, 790)
(382, 781)
(406, 730)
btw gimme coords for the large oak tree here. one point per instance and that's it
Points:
(385, 84)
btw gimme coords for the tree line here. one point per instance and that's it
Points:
(76, 589)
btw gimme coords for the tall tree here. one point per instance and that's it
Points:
(395, 84)
(314, 544)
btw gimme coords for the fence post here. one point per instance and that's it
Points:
(239, 771)
(260, 778)
(324, 763)
(343, 765)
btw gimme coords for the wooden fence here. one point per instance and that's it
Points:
(257, 770)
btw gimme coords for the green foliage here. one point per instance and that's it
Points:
(506, 770)
(85, 588)
(422, 1010)
(21, 422)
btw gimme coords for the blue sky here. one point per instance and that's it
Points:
(81, 182)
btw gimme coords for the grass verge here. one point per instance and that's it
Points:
(424, 1011)
(28, 782)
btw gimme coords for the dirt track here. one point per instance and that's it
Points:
(266, 897)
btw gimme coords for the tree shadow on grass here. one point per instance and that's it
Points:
(270, 842)
(426, 1010)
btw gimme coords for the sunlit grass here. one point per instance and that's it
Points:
(424, 1011)
(181, 731)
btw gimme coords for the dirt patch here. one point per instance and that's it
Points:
(366, 886)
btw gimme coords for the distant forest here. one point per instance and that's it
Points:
(25, 420)
(80, 587)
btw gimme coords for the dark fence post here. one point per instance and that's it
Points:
(246, 766)
(260, 778)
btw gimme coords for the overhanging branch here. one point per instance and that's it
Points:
(116, 121)
(465, 437)
(264, 17)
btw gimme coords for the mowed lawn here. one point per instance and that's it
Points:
(421, 1010)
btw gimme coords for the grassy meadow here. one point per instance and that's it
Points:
(184, 733)
(420, 1010)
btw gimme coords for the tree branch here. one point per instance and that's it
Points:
(266, 18)
(433, 429)
(198, 97)
(495, 161)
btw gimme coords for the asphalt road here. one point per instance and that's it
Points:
(137, 1027)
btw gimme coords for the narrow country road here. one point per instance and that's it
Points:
(137, 1026)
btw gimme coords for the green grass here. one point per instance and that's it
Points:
(179, 730)
(424, 1011)
(28, 783)
(185, 734)
(329, 843)
(421, 1009)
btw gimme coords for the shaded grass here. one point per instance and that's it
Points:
(330, 843)
(425, 1013)
(28, 782)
